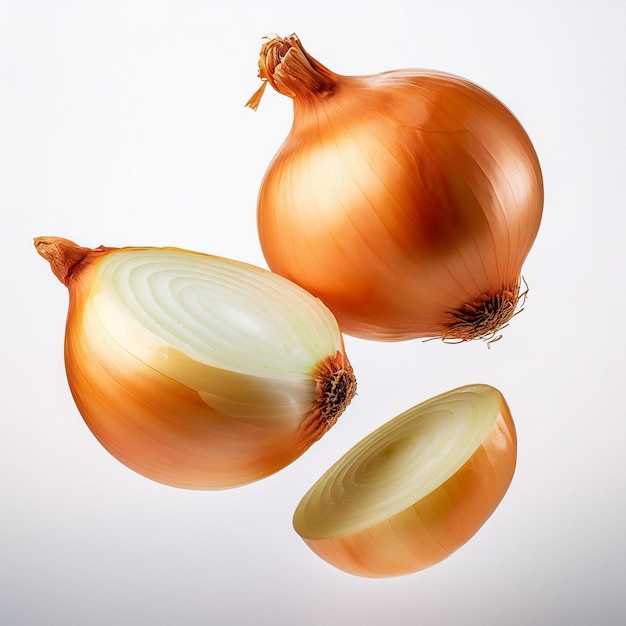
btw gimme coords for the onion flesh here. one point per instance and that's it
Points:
(416, 489)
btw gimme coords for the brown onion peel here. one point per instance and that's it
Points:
(407, 201)
(196, 371)
(415, 490)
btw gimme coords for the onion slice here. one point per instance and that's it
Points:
(195, 370)
(416, 489)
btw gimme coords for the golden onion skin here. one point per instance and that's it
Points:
(430, 530)
(159, 427)
(406, 201)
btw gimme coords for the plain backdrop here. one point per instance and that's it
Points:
(123, 123)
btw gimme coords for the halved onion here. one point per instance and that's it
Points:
(194, 370)
(416, 489)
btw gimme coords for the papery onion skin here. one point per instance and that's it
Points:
(163, 429)
(436, 525)
(407, 201)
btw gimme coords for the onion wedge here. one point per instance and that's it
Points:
(416, 489)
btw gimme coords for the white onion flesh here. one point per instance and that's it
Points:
(206, 324)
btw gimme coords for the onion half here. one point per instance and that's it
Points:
(193, 370)
(416, 489)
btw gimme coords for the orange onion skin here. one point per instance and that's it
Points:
(157, 426)
(430, 530)
(406, 201)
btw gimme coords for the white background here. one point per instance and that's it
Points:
(122, 123)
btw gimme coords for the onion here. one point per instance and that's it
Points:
(193, 370)
(416, 489)
(407, 201)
